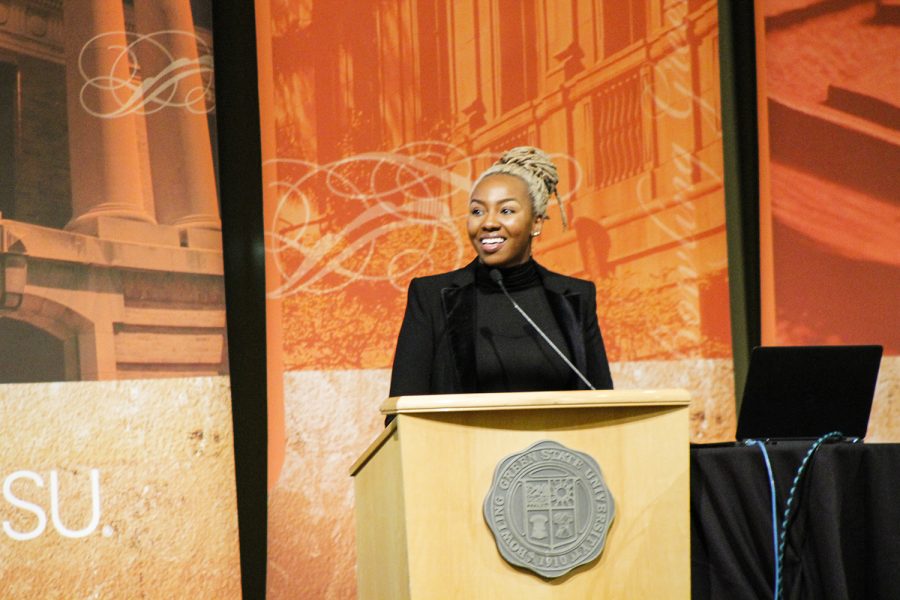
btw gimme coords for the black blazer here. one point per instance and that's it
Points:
(436, 347)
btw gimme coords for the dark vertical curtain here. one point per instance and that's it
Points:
(737, 52)
(240, 177)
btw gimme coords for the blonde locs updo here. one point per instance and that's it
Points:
(534, 167)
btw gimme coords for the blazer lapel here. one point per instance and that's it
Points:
(459, 308)
(567, 309)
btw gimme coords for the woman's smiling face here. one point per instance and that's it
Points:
(501, 221)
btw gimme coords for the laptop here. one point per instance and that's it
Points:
(802, 392)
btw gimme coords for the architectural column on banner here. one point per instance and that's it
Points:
(175, 96)
(103, 141)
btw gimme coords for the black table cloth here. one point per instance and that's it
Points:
(844, 539)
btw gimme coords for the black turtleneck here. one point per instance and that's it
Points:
(510, 355)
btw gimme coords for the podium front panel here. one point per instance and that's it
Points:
(447, 462)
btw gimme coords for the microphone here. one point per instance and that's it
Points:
(497, 277)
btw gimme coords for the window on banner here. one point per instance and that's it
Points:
(434, 65)
(623, 24)
(518, 54)
(8, 108)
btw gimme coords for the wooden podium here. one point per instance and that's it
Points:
(421, 484)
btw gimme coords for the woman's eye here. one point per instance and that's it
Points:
(506, 211)
(476, 212)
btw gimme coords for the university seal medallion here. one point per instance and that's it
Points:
(549, 509)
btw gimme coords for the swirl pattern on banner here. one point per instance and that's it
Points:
(142, 92)
(673, 98)
(374, 216)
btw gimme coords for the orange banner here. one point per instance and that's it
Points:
(830, 204)
(382, 117)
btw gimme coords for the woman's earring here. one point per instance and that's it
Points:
(535, 233)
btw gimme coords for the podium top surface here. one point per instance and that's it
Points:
(450, 403)
(535, 400)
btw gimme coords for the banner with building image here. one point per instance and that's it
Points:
(378, 120)
(114, 398)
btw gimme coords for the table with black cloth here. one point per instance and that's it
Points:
(844, 538)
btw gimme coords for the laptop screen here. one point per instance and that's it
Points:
(808, 391)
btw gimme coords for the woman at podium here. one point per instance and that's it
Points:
(503, 323)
